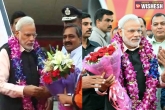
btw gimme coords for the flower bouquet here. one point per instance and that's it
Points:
(56, 68)
(108, 60)
(59, 75)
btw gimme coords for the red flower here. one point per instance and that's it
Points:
(101, 55)
(47, 78)
(111, 49)
(94, 56)
(102, 50)
(91, 54)
(72, 68)
(93, 59)
(88, 58)
(56, 73)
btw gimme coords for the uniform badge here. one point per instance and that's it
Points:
(67, 11)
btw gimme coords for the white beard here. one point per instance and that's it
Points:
(129, 41)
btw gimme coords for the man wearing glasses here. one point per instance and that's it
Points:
(20, 86)
(136, 64)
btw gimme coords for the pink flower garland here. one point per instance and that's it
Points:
(21, 80)
(148, 101)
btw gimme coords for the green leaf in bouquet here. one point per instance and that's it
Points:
(51, 50)
(50, 57)
(57, 48)
(60, 68)
(54, 78)
(65, 72)
(66, 66)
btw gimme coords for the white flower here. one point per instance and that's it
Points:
(48, 66)
(58, 58)
(58, 61)
(67, 61)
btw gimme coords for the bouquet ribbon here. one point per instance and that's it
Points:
(119, 97)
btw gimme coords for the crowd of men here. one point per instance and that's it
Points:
(20, 84)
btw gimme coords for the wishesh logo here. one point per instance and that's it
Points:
(149, 4)
(138, 6)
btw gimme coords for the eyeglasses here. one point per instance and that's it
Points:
(132, 31)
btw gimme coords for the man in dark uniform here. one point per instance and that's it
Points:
(71, 15)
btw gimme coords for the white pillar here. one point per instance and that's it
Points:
(3, 32)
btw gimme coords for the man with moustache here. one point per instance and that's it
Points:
(72, 38)
(137, 65)
(158, 45)
(158, 40)
(103, 21)
(88, 45)
(91, 100)
(70, 15)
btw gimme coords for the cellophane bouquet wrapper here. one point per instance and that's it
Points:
(110, 64)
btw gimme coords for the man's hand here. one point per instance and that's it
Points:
(163, 76)
(92, 81)
(109, 81)
(31, 90)
(43, 94)
(49, 104)
(161, 56)
(65, 99)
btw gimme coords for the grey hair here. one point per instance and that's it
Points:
(24, 21)
(127, 18)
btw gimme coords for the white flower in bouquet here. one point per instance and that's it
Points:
(57, 65)
(48, 66)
